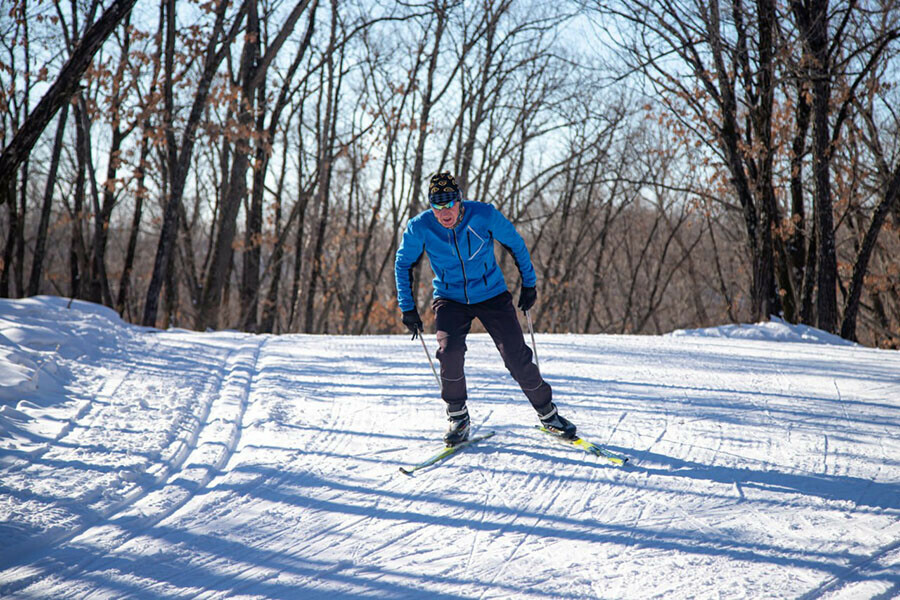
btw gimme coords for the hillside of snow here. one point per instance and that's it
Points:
(139, 463)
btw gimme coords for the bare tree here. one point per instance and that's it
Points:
(254, 67)
(59, 92)
(179, 155)
(729, 100)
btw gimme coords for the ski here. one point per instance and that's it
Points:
(446, 452)
(616, 459)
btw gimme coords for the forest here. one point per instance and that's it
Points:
(251, 164)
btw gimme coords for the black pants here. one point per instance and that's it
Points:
(498, 315)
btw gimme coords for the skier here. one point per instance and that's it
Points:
(458, 237)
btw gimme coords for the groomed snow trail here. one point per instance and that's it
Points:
(170, 464)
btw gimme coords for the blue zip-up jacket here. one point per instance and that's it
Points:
(462, 258)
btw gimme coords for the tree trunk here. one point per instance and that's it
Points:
(97, 283)
(797, 240)
(77, 252)
(730, 141)
(270, 306)
(40, 247)
(169, 229)
(140, 194)
(861, 267)
(812, 16)
(253, 233)
(19, 266)
(769, 300)
(9, 246)
(223, 249)
(810, 276)
(327, 137)
(298, 262)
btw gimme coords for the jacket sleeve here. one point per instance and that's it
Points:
(408, 255)
(505, 233)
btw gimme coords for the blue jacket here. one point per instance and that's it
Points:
(462, 258)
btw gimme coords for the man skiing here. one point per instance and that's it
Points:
(458, 237)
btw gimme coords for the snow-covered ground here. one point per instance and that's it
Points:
(765, 463)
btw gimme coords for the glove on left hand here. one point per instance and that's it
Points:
(527, 297)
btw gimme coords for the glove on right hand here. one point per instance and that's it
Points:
(413, 322)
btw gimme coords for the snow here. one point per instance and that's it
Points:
(775, 330)
(170, 464)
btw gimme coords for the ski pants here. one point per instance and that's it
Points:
(498, 315)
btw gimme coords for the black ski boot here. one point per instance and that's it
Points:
(459, 427)
(558, 425)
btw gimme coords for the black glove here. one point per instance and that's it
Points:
(413, 322)
(526, 298)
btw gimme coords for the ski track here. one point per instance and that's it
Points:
(266, 467)
(195, 455)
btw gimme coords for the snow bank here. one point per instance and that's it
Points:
(41, 340)
(775, 330)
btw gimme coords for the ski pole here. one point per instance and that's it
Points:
(533, 345)
(430, 362)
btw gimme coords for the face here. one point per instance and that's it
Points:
(447, 216)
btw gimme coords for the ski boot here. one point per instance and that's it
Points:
(459, 426)
(556, 424)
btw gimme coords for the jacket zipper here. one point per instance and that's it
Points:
(463, 265)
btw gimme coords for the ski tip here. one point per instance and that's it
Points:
(406, 472)
(617, 461)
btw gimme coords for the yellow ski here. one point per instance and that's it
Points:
(446, 452)
(616, 459)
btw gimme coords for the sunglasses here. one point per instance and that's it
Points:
(445, 200)
(443, 205)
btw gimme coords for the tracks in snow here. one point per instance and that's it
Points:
(200, 448)
(872, 577)
(282, 486)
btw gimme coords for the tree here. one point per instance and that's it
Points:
(721, 94)
(62, 89)
(723, 91)
(179, 156)
(252, 74)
